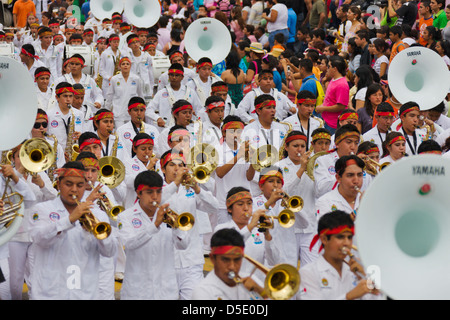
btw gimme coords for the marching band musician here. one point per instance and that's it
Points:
(232, 170)
(202, 81)
(141, 63)
(48, 54)
(90, 142)
(271, 183)
(108, 60)
(304, 120)
(347, 141)
(297, 182)
(103, 122)
(63, 119)
(20, 260)
(409, 115)
(320, 140)
(45, 92)
(95, 191)
(93, 96)
(127, 132)
(329, 277)
(29, 59)
(284, 106)
(122, 87)
(345, 196)
(182, 112)
(141, 160)
(220, 89)
(384, 117)
(175, 57)
(369, 152)
(239, 204)
(429, 147)
(394, 147)
(58, 236)
(227, 253)
(347, 116)
(197, 201)
(211, 130)
(164, 99)
(143, 231)
(78, 103)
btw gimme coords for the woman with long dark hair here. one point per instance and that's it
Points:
(234, 77)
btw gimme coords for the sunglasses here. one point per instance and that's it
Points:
(37, 125)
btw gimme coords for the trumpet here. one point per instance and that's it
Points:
(281, 282)
(286, 219)
(184, 221)
(105, 204)
(100, 230)
(370, 163)
(294, 203)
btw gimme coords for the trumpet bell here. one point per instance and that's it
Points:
(102, 230)
(102, 9)
(419, 74)
(295, 203)
(282, 282)
(264, 157)
(201, 174)
(208, 37)
(112, 171)
(37, 155)
(286, 218)
(410, 227)
(185, 221)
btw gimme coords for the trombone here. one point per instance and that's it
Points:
(184, 221)
(106, 205)
(37, 155)
(281, 282)
(100, 230)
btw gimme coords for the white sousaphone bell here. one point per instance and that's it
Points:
(102, 9)
(17, 116)
(142, 13)
(419, 74)
(207, 37)
(402, 229)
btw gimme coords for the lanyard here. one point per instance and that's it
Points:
(105, 153)
(265, 136)
(307, 134)
(409, 143)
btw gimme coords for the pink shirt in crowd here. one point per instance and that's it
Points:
(337, 92)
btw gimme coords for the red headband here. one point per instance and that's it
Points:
(102, 115)
(233, 125)
(308, 101)
(266, 103)
(295, 137)
(204, 64)
(142, 187)
(409, 110)
(219, 88)
(170, 157)
(348, 115)
(23, 51)
(213, 105)
(269, 174)
(143, 141)
(399, 138)
(90, 162)
(233, 250)
(337, 230)
(178, 133)
(346, 135)
(136, 105)
(238, 196)
(63, 90)
(90, 141)
(186, 106)
(384, 113)
(43, 73)
(176, 71)
(70, 172)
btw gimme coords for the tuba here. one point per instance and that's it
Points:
(410, 227)
(102, 9)
(281, 282)
(142, 13)
(23, 113)
(37, 155)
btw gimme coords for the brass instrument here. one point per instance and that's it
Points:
(282, 148)
(116, 65)
(73, 150)
(294, 203)
(105, 204)
(115, 145)
(101, 230)
(53, 167)
(112, 171)
(286, 219)
(369, 167)
(37, 155)
(312, 162)
(262, 157)
(184, 221)
(281, 282)
(142, 126)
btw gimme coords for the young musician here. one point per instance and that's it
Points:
(409, 115)
(122, 88)
(346, 194)
(227, 254)
(211, 130)
(202, 81)
(103, 123)
(143, 230)
(108, 61)
(45, 92)
(220, 89)
(394, 147)
(165, 98)
(175, 57)
(329, 277)
(58, 236)
(78, 103)
(304, 120)
(384, 117)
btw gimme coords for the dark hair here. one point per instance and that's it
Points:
(268, 169)
(319, 130)
(366, 146)
(334, 219)
(149, 178)
(371, 89)
(231, 118)
(385, 107)
(305, 94)
(389, 137)
(134, 100)
(227, 237)
(63, 84)
(339, 63)
(262, 98)
(41, 69)
(406, 106)
(429, 145)
(293, 133)
(307, 64)
(139, 136)
(180, 103)
(73, 165)
(344, 129)
(341, 163)
(85, 154)
(235, 190)
(396, 30)
(212, 99)
(363, 34)
(86, 135)
(95, 122)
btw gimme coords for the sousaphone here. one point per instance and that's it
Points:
(102, 9)
(142, 13)
(419, 74)
(401, 228)
(208, 37)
